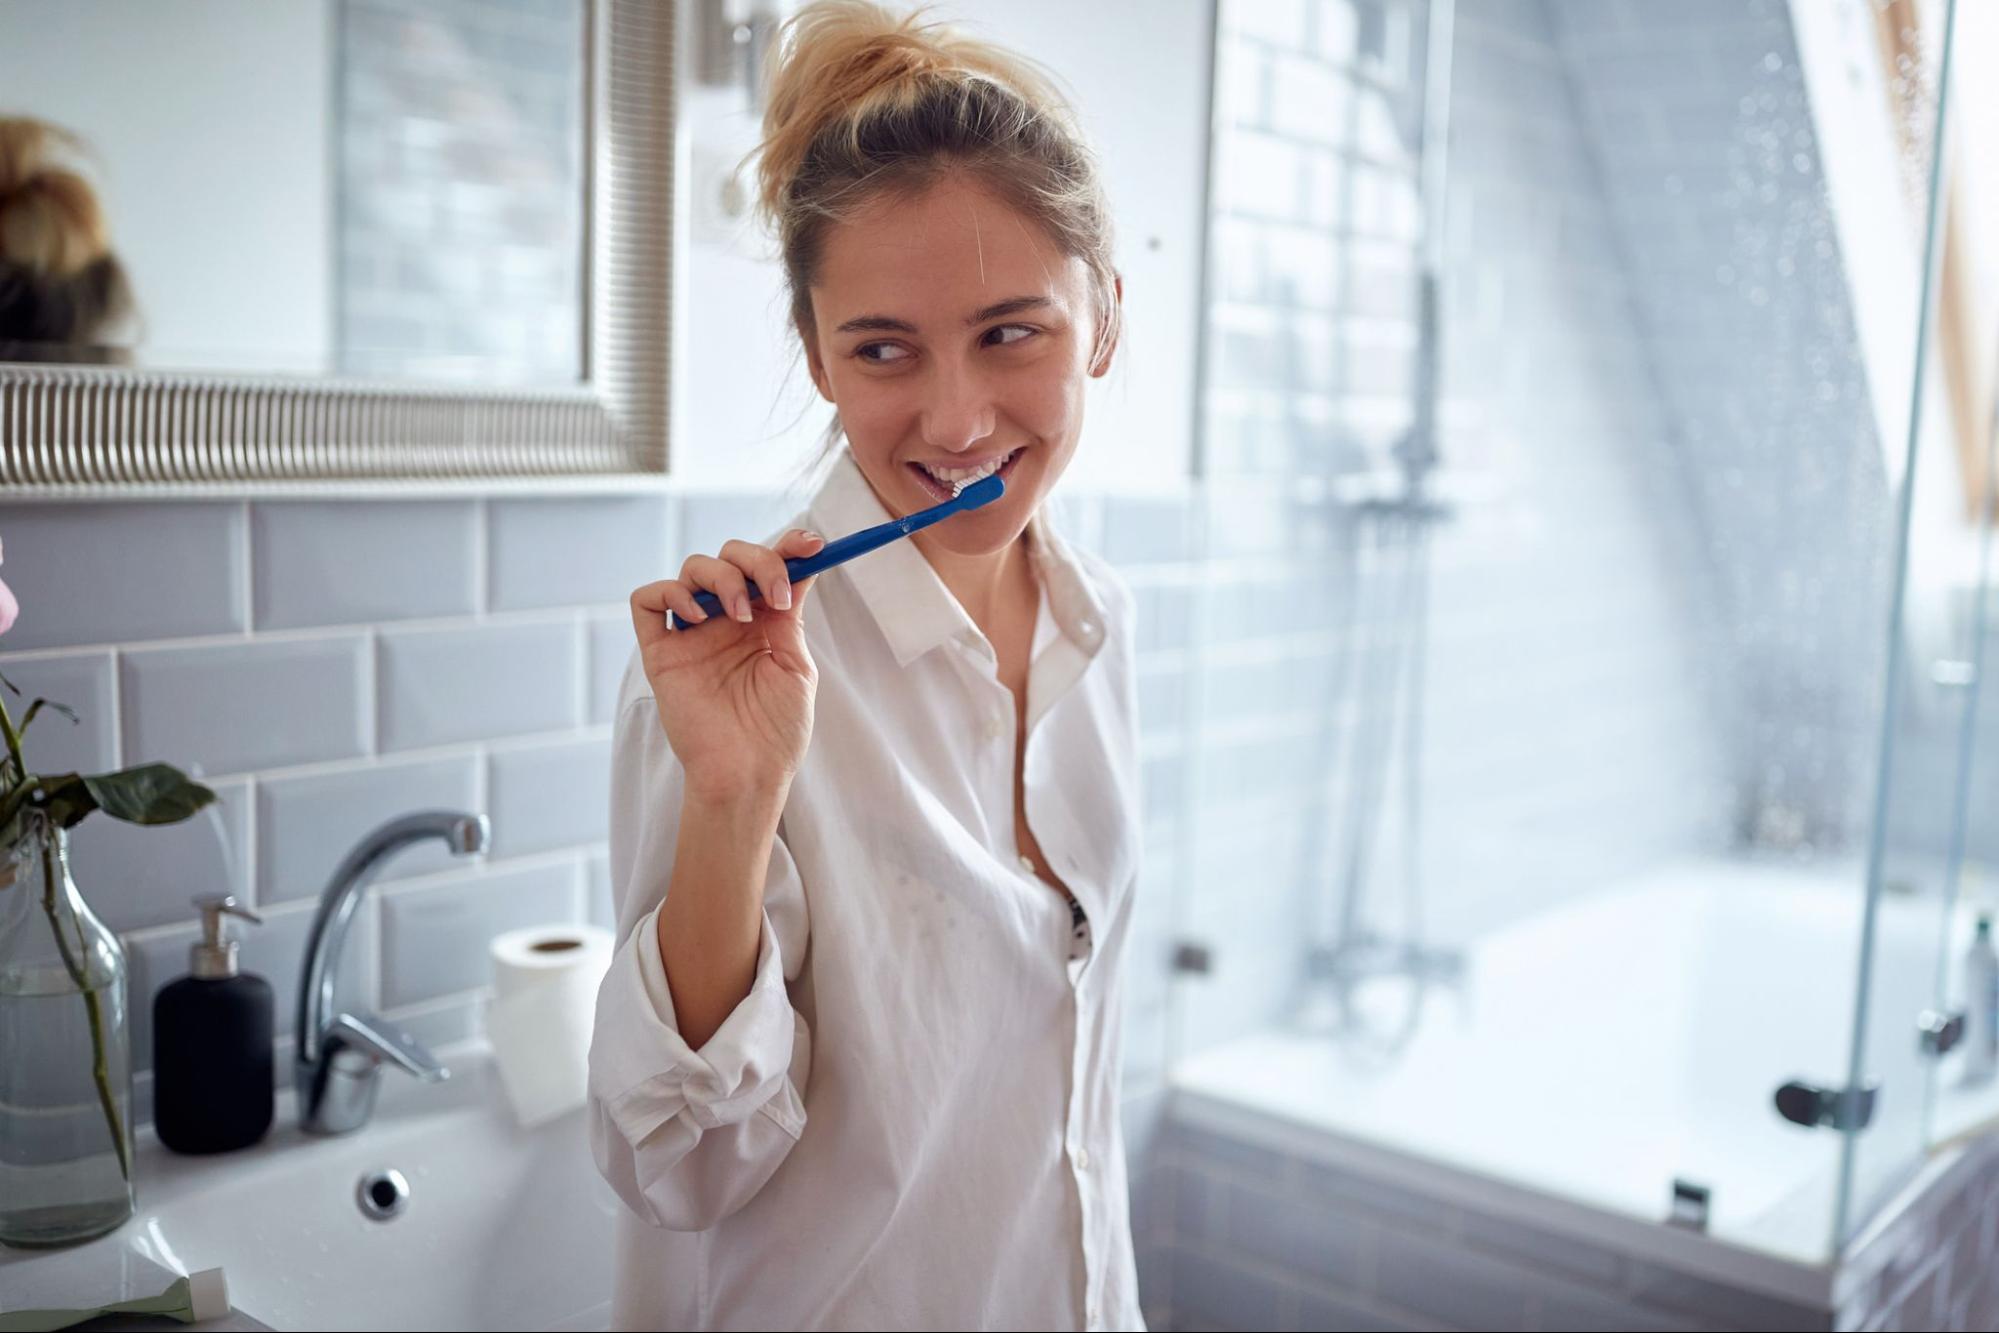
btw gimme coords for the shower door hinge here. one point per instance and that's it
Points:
(1810, 1105)
(1939, 1031)
(1193, 957)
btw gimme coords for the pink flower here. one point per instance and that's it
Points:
(9, 608)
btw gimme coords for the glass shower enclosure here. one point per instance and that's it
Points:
(1579, 725)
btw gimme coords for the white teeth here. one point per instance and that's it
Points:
(949, 476)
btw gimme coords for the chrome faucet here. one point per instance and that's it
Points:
(340, 1052)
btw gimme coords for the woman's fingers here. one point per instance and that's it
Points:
(680, 600)
(651, 603)
(765, 566)
(800, 542)
(728, 576)
(721, 577)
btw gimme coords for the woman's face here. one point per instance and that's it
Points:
(950, 330)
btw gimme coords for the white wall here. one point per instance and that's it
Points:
(211, 124)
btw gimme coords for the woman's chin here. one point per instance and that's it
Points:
(975, 532)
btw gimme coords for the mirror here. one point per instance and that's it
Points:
(379, 188)
(333, 239)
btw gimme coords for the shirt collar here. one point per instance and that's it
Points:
(914, 608)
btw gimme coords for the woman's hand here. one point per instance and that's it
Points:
(734, 694)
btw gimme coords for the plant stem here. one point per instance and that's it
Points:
(100, 1067)
(13, 745)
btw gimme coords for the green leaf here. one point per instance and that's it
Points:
(36, 707)
(65, 798)
(148, 794)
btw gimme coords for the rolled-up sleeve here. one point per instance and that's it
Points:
(687, 1136)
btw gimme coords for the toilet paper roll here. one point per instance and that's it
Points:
(545, 982)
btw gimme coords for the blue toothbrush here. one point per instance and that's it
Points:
(981, 492)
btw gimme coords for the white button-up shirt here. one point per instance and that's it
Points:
(912, 1119)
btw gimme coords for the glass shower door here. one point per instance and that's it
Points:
(1935, 627)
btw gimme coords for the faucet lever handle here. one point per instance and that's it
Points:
(387, 1042)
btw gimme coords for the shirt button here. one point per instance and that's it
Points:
(1082, 1159)
(1027, 863)
(994, 728)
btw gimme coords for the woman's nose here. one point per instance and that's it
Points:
(959, 411)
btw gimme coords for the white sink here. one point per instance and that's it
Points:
(504, 1228)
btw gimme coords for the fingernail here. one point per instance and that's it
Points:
(743, 607)
(812, 536)
(780, 596)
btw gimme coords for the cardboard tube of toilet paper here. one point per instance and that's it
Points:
(545, 982)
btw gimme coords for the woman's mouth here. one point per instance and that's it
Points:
(942, 489)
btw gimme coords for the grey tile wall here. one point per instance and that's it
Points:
(175, 570)
(425, 926)
(448, 685)
(1936, 1265)
(307, 822)
(341, 564)
(233, 707)
(148, 876)
(86, 739)
(555, 553)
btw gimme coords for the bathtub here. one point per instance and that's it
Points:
(1597, 1053)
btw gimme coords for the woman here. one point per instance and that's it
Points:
(856, 1057)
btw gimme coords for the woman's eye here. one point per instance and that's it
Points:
(867, 352)
(1023, 330)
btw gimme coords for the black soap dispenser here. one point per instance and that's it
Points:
(212, 1063)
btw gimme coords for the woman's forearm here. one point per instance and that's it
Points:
(710, 923)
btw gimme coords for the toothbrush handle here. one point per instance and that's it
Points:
(800, 567)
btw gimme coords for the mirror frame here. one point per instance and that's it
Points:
(76, 431)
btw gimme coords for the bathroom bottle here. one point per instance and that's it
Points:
(1981, 1005)
(212, 1063)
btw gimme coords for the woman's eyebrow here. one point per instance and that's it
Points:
(887, 324)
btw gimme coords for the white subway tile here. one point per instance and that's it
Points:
(86, 684)
(121, 572)
(135, 875)
(568, 552)
(307, 824)
(436, 937)
(236, 707)
(547, 796)
(439, 686)
(350, 562)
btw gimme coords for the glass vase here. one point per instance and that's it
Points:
(65, 1054)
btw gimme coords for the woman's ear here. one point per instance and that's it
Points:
(1102, 364)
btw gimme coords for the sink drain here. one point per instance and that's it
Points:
(383, 1194)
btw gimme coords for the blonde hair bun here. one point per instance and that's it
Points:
(851, 62)
(51, 222)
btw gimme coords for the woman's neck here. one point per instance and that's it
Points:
(984, 584)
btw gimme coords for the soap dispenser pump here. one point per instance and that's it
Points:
(212, 1063)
